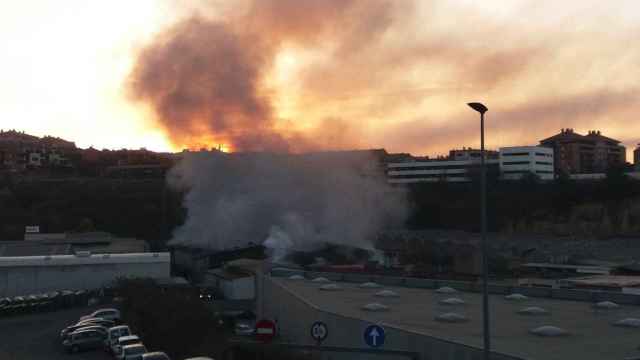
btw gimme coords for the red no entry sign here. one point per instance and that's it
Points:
(265, 330)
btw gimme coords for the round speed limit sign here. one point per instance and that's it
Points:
(319, 331)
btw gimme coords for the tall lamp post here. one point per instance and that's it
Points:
(483, 229)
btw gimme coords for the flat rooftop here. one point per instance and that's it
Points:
(591, 333)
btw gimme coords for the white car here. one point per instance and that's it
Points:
(122, 343)
(109, 314)
(133, 352)
(113, 334)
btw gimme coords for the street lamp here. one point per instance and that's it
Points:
(479, 107)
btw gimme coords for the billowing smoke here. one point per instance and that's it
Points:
(204, 79)
(286, 201)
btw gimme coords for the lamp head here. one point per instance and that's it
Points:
(479, 107)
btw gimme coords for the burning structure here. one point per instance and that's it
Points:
(284, 201)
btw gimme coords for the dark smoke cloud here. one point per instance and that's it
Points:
(204, 78)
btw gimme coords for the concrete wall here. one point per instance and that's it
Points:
(295, 316)
(35, 278)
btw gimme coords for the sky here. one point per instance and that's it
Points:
(298, 75)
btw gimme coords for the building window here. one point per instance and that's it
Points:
(543, 163)
(516, 154)
(515, 162)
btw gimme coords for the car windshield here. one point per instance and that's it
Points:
(129, 342)
(134, 350)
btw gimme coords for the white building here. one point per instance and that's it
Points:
(433, 171)
(517, 161)
(235, 284)
(24, 275)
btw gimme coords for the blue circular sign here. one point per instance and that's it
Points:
(319, 331)
(374, 336)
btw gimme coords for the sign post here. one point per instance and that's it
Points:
(374, 336)
(265, 330)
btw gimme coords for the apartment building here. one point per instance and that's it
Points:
(583, 154)
(518, 161)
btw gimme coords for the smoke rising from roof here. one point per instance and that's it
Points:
(293, 201)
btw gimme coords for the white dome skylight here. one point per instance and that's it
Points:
(451, 301)
(330, 287)
(320, 280)
(375, 307)
(370, 285)
(387, 293)
(446, 290)
(533, 310)
(549, 330)
(451, 318)
(516, 297)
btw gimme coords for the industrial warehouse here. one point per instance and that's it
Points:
(427, 319)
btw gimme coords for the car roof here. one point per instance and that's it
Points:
(92, 319)
(154, 353)
(128, 337)
(80, 331)
(106, 309)
(118, 327)
(132, 346)
(90, 327)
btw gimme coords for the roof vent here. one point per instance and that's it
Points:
(387, 293)
(451, 318)
(516, 297)
(548, 330)
(628, 322)
(606, 305)
(375, 307)
(452, 301)
(370, 285)
(533, 310)
(296, 277)
(330, 287)
(320, 280)
(446, 290)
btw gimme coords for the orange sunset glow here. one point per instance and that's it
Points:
(292, 76)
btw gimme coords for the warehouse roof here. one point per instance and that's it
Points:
(591, 334)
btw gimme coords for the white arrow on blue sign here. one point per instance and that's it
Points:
(374, 336)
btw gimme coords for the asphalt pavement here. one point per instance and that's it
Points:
(36, 337)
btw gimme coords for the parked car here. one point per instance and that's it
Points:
(243, 329)
(113, 334)
(119, 343)
(66, 332)
(99, 321)
(108, 314)
(131, 352)
(84, 340)
(156, 355)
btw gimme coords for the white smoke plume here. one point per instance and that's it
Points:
(286, 201)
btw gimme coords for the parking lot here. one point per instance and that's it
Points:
(36, 336)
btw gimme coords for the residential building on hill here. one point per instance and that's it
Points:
(636, 158)
(578, 154)
(517, 161)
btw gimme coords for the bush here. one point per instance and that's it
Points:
(171, 320)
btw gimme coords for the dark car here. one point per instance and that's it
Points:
(156, 355)
(84, 340)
